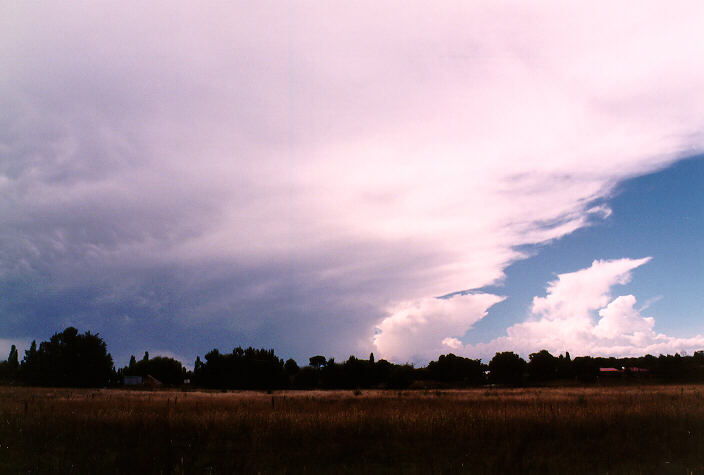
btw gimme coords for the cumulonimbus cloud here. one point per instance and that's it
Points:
(299, 177)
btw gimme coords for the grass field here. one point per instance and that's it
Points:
(632, 429)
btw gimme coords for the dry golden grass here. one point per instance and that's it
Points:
(648, 429)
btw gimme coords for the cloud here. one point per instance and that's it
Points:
(453, 343)
(420, 329)
(579, 315)
(297, 177)
(577, 293)
(619, 318)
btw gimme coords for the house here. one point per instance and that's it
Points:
(636, 370)
(132, 381)
(151, 382)
(630, 371)
(147, 381)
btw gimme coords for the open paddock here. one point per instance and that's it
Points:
(630, 429)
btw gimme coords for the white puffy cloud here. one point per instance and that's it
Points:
(576, 294)
(421, 329)
(619, 318)
(454, 343)
(566, 319)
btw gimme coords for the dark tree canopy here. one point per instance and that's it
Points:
(451, 368)
(69, 359)
(242, 369)
(542, 366)
(10, 368)
(507, 368)
(317, 361)
(291, 367)
(13, 358)
(586, 368)
(167, 370)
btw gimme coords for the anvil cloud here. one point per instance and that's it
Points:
(309, 175)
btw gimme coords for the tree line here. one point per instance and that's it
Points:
(72, 359)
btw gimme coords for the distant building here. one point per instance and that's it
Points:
(151, 381)
(631, 370)
(144, 381)
(133, 381)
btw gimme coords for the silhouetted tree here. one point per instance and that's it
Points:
(242, 369)
(29, 368)
(585, 368)
(307, 378)
(673, 367)
(68, 359)
(332, 375)
(9, 369)
(5, 375)
(457, 369)
(291, 367)
(507, 368)
(13, 359)
(317, 361)
(542, 366)
(167, 370)
(564, 366)
(399, 377)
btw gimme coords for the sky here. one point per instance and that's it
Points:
(337, 179)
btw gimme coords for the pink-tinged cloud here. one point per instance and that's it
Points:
(313, 171)
(421, 329)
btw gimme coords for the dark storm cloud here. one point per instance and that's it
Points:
(181, 177)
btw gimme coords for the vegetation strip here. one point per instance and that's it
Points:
(71, 359)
